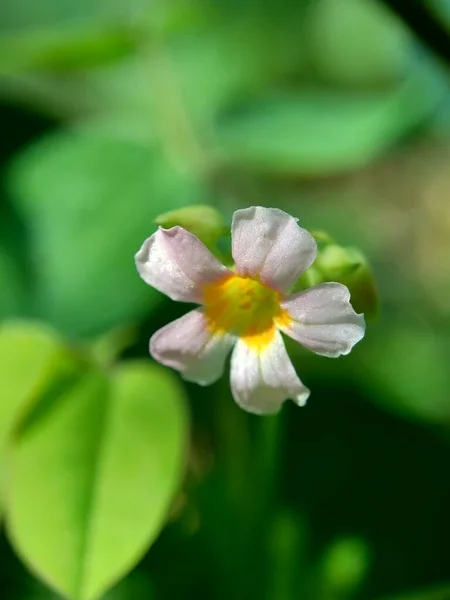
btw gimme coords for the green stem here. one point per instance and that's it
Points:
(263, 494)
(268, 453)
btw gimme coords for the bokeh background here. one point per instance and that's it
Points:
(114, 112)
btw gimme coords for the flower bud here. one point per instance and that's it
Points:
(348, 266)
(203, 221)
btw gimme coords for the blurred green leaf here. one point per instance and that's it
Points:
(90, 197)
(439, 592)
(316, 133)
(136, 586)
(223, 52)
(200, 68)
(64, 34)
(92, 477)
(407, 364)
(441, 8)
(357, 43)
(63, 49)
(42, 14)
(12, 296)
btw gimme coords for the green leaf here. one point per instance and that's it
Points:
(318, 132)
(93, 476)
(43, 14)
(436, 592)
(263, 43)
(90, 198)
(12, 297)
(357, 43)
(407, 365)
(64, 34)
(63, 48)
(29, 356)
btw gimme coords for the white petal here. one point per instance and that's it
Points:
(261, 381)
(268, 243)
(187, 346)
(324, 320)
(176, 263)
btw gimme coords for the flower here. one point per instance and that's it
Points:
(247, 308)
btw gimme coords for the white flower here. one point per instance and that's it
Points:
(247, 308)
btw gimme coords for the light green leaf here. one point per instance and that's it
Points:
(91, 197)
(92, 477)
(319, 132)
(63, 48)
(29, 356)
(43, 14)
(357, 43)
(220, 52)
(64, 34)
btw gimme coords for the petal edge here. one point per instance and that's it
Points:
(178, 264)
(269, 244)
(323, 320)
(187, 346)
(262, 381)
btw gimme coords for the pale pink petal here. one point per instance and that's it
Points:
(176, 263)
(268, 244)
(187, 346)
(323, 319)
(261, 381)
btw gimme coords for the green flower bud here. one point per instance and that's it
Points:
(348, 266)
(322, 237)
(311, 277)
(202, 220)
(336, 261)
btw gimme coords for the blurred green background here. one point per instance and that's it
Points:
(118, 480)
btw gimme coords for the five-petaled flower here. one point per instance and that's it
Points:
(247, 308)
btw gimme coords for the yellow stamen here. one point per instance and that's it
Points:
(245, 307)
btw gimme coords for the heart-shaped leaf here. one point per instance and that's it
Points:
(29, 356)
(92, 476)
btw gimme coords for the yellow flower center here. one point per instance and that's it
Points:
(244, 307)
